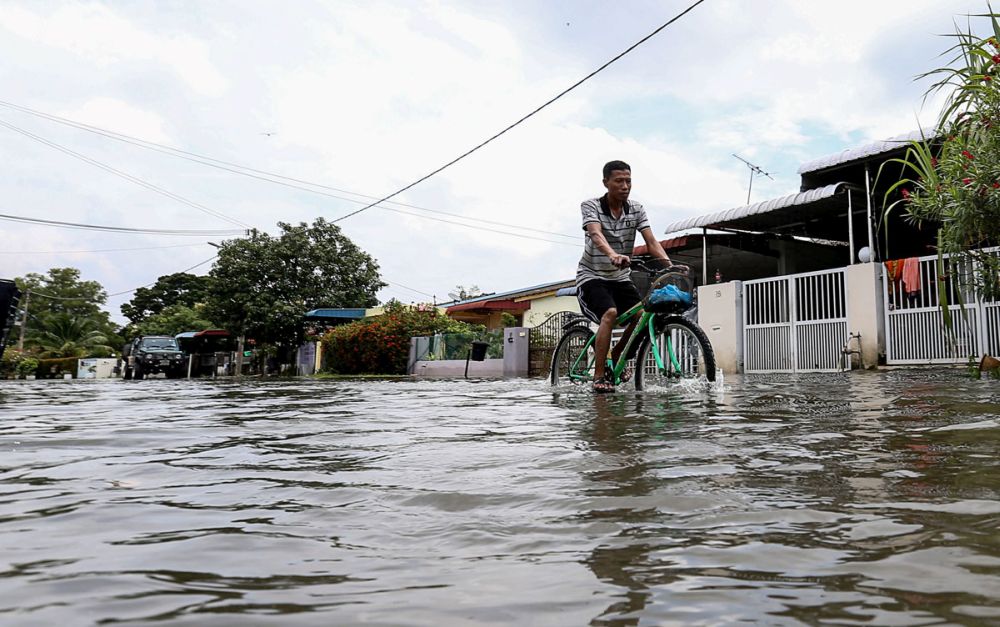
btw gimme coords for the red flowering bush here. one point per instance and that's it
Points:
(381, 344)
(954, 181)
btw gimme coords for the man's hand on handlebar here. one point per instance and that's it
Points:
(621, 261)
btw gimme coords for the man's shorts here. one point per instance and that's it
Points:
(596, 296)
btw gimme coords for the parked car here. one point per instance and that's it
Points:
(152, 354)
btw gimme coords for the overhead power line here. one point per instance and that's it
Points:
(122, 229)
(100, 250)
(524, 118)
(409, 288)
(200, 263)
(271, 177)
(124, 175)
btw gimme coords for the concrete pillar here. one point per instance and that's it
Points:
(720, 314)
(865, 309)
(515, 351)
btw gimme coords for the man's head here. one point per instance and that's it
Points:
(618, 180)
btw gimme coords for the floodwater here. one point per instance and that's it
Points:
(846, 499)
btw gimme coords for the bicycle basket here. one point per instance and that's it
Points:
(671, 292)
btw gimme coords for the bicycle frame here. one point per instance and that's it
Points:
(645, 325)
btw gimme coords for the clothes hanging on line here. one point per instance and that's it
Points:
(911, 275)
(903, 278)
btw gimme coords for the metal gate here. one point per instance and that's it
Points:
(795, 323)
(915, 332)
(542, 341)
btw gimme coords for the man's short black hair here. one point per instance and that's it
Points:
(611, 166)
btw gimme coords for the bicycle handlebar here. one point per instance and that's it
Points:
(639, 264)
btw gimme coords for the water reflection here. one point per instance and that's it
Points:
(864, 497)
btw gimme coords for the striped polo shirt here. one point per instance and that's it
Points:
(620, 234)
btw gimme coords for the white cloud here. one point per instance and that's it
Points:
(121, 117)
(96, 34)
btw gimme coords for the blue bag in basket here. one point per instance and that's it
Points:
(669, 294)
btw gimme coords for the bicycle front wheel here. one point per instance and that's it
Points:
(573, 360)
(684, 353)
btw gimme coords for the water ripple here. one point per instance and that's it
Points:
(787, 500)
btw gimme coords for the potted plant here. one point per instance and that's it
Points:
(26, 367)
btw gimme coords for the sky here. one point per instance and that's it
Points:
(359, 99)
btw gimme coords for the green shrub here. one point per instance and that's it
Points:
(26, 366)
(8, 362)
(381, 344)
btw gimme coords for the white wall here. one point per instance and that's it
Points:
(542, 308)
(95, 368)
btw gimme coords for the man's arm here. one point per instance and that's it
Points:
(596, 235)
(653, 245)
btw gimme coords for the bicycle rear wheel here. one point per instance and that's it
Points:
(684, 352)
(573, 359)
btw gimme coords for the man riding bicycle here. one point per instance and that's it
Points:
(603, 283)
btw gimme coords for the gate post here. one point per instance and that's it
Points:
(866, 309)
(793, 307)
(720, 314)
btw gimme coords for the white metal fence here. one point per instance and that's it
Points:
(914, 324)
(795, 323)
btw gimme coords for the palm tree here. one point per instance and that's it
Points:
(62, 335)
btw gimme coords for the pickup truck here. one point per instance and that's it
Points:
(152, 354)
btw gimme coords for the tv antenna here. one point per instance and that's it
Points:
(755, 170)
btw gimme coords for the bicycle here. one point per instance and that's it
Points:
(670, 346)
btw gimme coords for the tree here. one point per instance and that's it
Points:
(461, 292)
(60, 291)
(954, 180)
(63, 335)
(261, 285)
(174, 319)
(169, 290)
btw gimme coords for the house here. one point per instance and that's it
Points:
(530, 306)
(828, 295)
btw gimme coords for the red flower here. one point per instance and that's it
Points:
(967, 155)
(966, 181)
(906, 193)
(934, 162)
(996, 185)
(996, 58)
(987, 79)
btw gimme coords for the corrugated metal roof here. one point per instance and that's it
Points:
(855, 154)
(720, 218)
(343, 313)
(525, 291)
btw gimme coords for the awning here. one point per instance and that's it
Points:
(187, 335)
(340, 313)
(491, 305)
(212, 333)
(793, 214)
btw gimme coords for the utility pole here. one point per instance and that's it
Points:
(24, 320)
(239, 356)
(754, 170)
